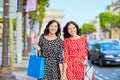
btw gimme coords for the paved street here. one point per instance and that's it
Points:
(22, 73)
(101, 73)
(20, 68)
(106, 72)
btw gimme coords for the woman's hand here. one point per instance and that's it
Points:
(64, 77)
(36, 47)
(85, 62)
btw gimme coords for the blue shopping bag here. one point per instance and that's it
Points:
(36, 66)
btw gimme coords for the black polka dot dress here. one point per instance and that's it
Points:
(52, 51)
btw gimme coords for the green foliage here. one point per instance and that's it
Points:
(1, 20)
(41, 5)
(14, 24)
(87, 27)
(106, 18)
(117, 20)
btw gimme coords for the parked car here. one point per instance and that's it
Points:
(115, 40)
(105, 53)
(90, 44)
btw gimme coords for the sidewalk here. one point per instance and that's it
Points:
(21, 70)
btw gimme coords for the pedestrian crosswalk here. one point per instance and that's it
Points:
(99, 76)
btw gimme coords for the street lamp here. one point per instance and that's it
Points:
(25, 52)
(25, 38)
(28, 25)
(5, 72)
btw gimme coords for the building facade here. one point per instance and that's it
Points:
(114, 7)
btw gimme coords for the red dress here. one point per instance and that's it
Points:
(75, 51)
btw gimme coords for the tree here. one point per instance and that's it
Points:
(88, 28)
(41, 5)
(1, 20)
(117, 21)
(106, 18)
(40, 8)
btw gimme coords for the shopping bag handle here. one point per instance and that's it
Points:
(35, 51)
(87, 64)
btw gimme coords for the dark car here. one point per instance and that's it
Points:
(105, 53)
(90, 44)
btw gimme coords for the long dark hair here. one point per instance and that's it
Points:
(46, 31)
(65, 29)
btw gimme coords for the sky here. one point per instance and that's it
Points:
(80, 11)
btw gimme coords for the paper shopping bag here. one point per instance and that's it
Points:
(88, 75)
(36, 67)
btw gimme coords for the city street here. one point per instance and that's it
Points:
(101, 73)
(22, 23)
(21, 68)
(106, 72)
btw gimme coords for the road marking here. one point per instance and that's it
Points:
(101, 74)
(98, 78)
(114, 73)
(96, 72)
(107, 78)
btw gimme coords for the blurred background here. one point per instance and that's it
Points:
(23, 21)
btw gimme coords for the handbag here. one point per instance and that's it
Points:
(36, 65)
(89, 73)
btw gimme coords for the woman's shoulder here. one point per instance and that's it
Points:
(83, 37)
(41, 37)
(59, 38)
(66, 39)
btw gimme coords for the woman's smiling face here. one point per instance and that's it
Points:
(72, 30)
(53, 28)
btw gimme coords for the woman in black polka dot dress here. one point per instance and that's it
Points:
(51, 48)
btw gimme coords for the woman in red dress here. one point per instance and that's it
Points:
(75, 52)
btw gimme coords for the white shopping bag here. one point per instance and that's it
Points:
(88, 74)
